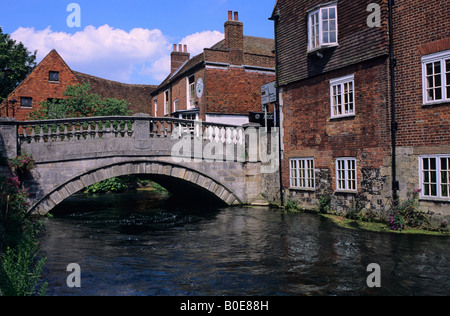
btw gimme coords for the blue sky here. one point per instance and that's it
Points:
(128, 41)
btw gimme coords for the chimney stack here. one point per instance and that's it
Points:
(234, 38)
(178, 57)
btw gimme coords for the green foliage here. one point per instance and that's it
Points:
(158, 188)
(324, 203)
(114, 185)
(80, 103)
(13, 207)
(22, 163)
(15, 57)
(291, 206)
(21, 270)
(407, 214)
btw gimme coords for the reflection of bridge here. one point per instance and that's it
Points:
(185, 156)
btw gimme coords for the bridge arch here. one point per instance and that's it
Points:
(158, 169)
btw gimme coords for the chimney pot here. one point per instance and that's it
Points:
(180, 48)
(185, 48)
(174, 47)
(230, 15)
(236, 16)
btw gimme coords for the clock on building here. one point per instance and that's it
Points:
(199, 87)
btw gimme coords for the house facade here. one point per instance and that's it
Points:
(52, 76)
(365, 111)
(421, 40)
(333, 72)
(223, 83)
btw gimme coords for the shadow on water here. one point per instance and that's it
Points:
(145, 243)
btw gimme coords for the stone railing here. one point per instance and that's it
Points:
(79, 129)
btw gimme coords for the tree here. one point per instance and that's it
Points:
(80, 103)
(16, 63)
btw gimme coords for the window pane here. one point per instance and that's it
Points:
(333, 25)
(433, 189)
(429, 69)
(332, 13)
(325, 14)
(333, 38)
(432, 163)
(437, 67)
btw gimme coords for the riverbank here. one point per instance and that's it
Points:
(377, 227)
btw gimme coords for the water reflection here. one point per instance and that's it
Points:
(135, 244)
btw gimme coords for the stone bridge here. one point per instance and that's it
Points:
(199, 161)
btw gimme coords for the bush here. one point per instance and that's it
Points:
(21, 164)
(114, 185)
(324, 203)
(21, 270)
(407, 214)
(19, 267)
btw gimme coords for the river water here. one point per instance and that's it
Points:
(140, 243)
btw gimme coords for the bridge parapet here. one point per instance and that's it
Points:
(124, 126)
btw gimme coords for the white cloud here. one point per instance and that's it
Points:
(137, 56)
(198, 41)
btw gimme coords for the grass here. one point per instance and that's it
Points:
(377, 227)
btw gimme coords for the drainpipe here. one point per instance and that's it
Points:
(278, 112)
(394, 125)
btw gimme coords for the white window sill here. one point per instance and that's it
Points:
(342, 116)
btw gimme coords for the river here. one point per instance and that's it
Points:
(140, 243)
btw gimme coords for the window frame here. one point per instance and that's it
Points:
(439, 182)
(166, 102)
(190, 100)
(155, 104)
(22, 99)
(341, 82)
(302, 175)
(346, 180)
(316, 42)
(50, 76)
(442, 58)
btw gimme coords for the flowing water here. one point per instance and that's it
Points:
(138, 243)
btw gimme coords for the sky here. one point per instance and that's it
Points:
(127, 41)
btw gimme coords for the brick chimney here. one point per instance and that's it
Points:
(234, 38)
(178, 57)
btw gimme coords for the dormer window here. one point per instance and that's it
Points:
(322, 28)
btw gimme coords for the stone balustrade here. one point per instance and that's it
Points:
(76, 129)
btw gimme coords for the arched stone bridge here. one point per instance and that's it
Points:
(230, 164)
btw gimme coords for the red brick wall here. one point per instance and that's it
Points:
(38, 87)
(178, 90)
(309, 130)
(235, 90)
(420, 28)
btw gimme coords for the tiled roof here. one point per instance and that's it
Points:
(138, 95)
(252, 45)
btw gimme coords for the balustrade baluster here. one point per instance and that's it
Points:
(41, 133)
(33, 133)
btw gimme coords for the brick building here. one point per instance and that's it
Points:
(421, 40)
(223, 83)
(341, 119)
(52, 76)
(333, 73)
